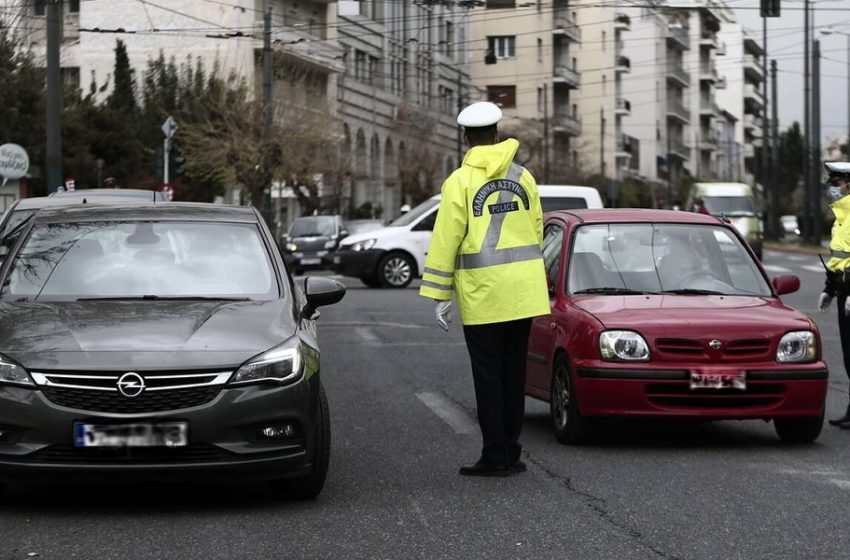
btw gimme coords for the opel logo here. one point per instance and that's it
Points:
(131, 384)
(715, 344)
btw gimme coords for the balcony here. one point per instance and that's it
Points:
(678, 37)
(566, 75)
(752, 122)
(708, 140)
(753, 69)
(564, 25)
(721, 49)
(677, 110)
(566, 124)
(749, 151)
(708, 39)
(676, 73)
(323, 55)
(720, 83)
(622, 149)
(623, 107)
(708, 73)
(622, 22)
(622, 64)
(753, 94)
(707, 108)
(677, 148)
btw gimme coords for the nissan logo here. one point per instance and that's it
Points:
(715, 344)
(131, 384)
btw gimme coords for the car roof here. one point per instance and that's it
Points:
(39, 202)
(640, 215)
(143, 210)
(149, 194)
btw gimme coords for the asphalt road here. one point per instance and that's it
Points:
(402, 405)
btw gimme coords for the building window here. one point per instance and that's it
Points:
(73, 6)
(372, 77)
(539, 49)
(360, 68)
(70, 78)
(502, 46)
(450, 39)
(503, 96)
(604, 85)
(39, 7)
(447, 99)
(540, 100)
(604, 40)
(494, 4)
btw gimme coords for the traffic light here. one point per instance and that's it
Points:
(770, 8)
(175, 162)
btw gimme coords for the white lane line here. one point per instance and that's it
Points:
(449, 412)
(813, 267)
(366, 334)
(797, 258)
(374, 324)
(824, 476)
(776, 268)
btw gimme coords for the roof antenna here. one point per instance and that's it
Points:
(84, 201)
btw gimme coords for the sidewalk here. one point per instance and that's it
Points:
(793, 247)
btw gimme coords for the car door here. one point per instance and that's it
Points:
(543, 329)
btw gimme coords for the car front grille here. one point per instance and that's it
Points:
(680, 395)
(158, 391)
(120, 455)
(679, 349)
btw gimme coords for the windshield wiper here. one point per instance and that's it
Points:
(164, 298)
(613, 291)
(693, 291)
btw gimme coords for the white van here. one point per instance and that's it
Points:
(392, 256)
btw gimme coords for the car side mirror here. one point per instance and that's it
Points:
(320, 291)
(786, 284)
(343, 233)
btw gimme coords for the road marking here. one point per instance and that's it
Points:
(776, 268)
(824, 475)
(374, 324)
(366, 334)
(797, 258)
(449, 412)
(812, 267)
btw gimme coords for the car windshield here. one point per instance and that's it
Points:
(415, 213)
(360, 226)
(312, 226)
(730, 205)
(69, 261)
(662, 258)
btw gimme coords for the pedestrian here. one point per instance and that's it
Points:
(837, 274)
(699, 207)
(486, 249)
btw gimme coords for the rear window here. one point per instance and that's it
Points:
(552, 203)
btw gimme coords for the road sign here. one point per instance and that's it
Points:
(14, 162)
(169, 127)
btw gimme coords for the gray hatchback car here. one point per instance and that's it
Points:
(166, 340)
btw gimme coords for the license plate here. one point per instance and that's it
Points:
(311, 261)
(719, 381)
(337, 259)
(162, 434)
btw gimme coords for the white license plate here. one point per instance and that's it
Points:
(161, 434)
(719, 381)
(311, 261)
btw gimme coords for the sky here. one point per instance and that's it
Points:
(785, 41)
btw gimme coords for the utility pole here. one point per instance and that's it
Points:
(546, 133)
(774, 156)
(602, 145)
(772, 232)
(459, 109)
(267, 112)
(807, 158)
(54, 96)
(816, 153)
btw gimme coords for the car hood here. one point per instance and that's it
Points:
(379, 234)
(695, 316)
(141, 334)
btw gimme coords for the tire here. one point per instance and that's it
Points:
(371, 282)
(396, 270)
(569, 425)
(798, 430)
(310, 486)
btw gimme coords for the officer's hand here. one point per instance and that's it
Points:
(444, 314)
(825, 300)
(847, 307)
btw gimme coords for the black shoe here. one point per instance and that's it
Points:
(483, 469)
(842, 422)
(517, 466)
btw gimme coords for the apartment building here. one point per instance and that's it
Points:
(405, 76)
(524, 58)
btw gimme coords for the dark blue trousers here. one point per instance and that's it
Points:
(498, 355)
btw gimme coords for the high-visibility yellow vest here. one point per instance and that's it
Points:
(486, 245)
(839, 243)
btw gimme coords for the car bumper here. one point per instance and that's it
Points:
(223, 437)
(359, 264)
(323, 260)
(651, 391)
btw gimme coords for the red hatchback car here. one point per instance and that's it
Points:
(659, 313)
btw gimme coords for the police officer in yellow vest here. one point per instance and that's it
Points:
(486, 250)
(838, 275)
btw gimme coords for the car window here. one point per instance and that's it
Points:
(313, 226)
(427, 223)
(552, 203)
(657, 258)
(415, 213)
(67, 261)
(553, 238)
(15, 219)
(730, 205)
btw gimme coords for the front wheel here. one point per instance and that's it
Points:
(570, 426)
(395, 270)
(310, 486)
(798, 430)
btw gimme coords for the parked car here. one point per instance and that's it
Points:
(392, 256)
(660, 313)
(361, 226)
(166, 340)
(790, 227)
(311, 242)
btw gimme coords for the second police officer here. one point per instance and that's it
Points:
(837, 273)
(486, 250)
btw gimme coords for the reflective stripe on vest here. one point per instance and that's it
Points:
(437, 286)
(489, 255)
(838, 254)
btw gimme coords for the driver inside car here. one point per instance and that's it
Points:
(680, 265)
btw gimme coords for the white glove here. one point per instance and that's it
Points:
(444, 314)
(825, 300)
(847, 307)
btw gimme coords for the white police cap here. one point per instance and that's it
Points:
(482, 113)
(837, 167)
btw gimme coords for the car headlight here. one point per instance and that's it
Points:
(291, 247)
(624, 346)
(13, 374)
(330, 244)
(797, 346)
(282, 364)
(364, 245)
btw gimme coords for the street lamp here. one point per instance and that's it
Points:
(828, 31)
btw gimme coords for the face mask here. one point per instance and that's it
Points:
(834, 193)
